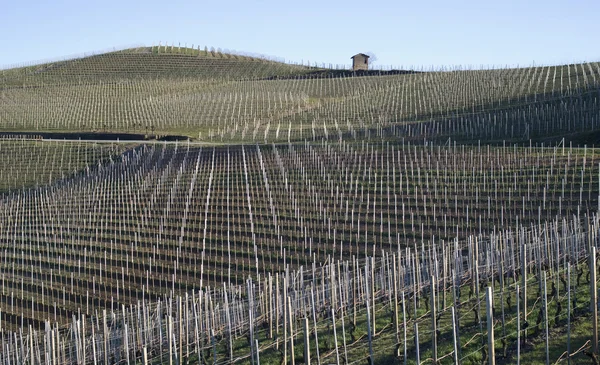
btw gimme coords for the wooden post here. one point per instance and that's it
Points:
(404, 321)
(214, 345)
(372, 295)
(270, 305)
(126, 344)
(369, 332)
(354, 290)
(94, 352)
(569, 313)
(478, 297)
(306, 343)
(312, 298)
(454, 335)
(105, 337)
(180, 309)
(228, 319)
(82, 340)
(289, 313)
(250, 319)
(490, 326)
(170, 337)
(545, 300)
(594, 300)
(257, 352)
(344, 335)
(277, 305)
(518, 327)
(417, 351)
(524, 285)
(396, 314)
(433, 321)
(145, 354)
(335, 341)
(285, 325)
(31, 360)
(53, 349)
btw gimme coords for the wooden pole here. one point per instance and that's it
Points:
(518, 327)
(170, 338)
(569, 313)
(433, 321)
(454, 335)
(344, 335)
(180, 309)
(372, 294)
(490, 326)
(369, 332)
(126, 344)
(306, 342)
(94, 352)
(594, 300)
(289, 313)
(31, 360)
(82, 339)
(417, 351)
(396, 314)
(270, 306)
(257, 352)
(545, 300)
(277, 305)
(312, 298)
(285, 324)
(250, 317)
(404, 321)
(524, 285)
(335, 341)
(214, 345)
(228, 319)
(105, 338)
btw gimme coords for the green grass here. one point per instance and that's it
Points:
(471, 340)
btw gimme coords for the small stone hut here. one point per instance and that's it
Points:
(360, 61)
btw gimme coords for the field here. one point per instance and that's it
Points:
(239, 99)
(404, 217)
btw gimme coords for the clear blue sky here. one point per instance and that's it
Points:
(400, 33)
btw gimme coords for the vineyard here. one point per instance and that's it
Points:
(27, 164)
(413, 217)
(219, 98)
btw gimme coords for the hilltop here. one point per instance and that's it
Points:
(150, 62)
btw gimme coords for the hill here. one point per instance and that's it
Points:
(149, 62)
(310, 213)
(227, 98)
(29, 164)
(166, 231)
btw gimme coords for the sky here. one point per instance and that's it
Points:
(401, 34)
